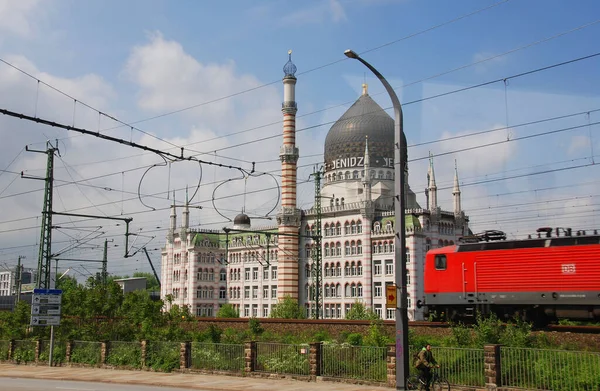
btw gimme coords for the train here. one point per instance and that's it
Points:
(546, 277)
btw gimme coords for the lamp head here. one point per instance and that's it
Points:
(351, 54)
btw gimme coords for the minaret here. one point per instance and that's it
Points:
(173, 224)
(288, 219)
(456, 193)
(185, 224)
(367, 165)
(432, 187)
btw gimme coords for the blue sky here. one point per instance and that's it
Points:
(138, 59)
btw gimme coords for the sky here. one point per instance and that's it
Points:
(505, 89)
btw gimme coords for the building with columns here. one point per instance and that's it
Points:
(253, 268)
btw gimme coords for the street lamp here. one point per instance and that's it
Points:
(402, 353)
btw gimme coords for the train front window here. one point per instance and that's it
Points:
(440, 262)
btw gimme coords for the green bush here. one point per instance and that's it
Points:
(59, 353)
(354, 339)
(285, 360)
(255, 327)
(125, 354)
(86, 353)
(218, 357)
(163, 356)
(24, 352)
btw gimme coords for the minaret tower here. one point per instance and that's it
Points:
(173, 223)
(185, 224)
(432, 187)
(288, 219)
(456, 193)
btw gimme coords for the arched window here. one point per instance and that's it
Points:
(353, 290)
(222, 293)
(307, 271)
(338, 269)
(326, 230)
(338, 229)
(388, 175)
(332, 271)
(347, 248)
(355, 174)
(346, 228)
(348, 292)
(338, 249)
(386, 247)
(359, 227)
(338, 290)
(359, 247)
(440, 243)
(353, 269)
(347, 269)
(380, 247)
(359, 290)
(327, 290)
(380, 174)
(353, 227)
(359, 268)
(353, 247)
(388, 226)
(333, 177)
(326, 269)
(347, 175)
(377, 227)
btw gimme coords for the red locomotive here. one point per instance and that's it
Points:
(538, 279)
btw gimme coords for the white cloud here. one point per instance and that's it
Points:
(319, 13)
(14, 16)
(578, 143)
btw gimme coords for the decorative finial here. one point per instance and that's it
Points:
(365, 89)
(289, 69)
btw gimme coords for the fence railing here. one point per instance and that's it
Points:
(494, 365)
(217, 357)
(4, 346)
(86, 352)
(24, 351)
(461, 367)
(59, 352)
(354, 362)
(163, 355)
(555, 370)
(124, 354)
(282, 358)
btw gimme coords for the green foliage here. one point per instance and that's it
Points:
(461, 335)
(218, 357)
(163, 356)
(227, 311)
(59, 353)
(255, 327)
(287, 308)
(360, 312)
(233, 336)
(376, 335)
(285, 359)
(517, 334)
(354, 339)
(86, 353)
(321, 335)
(24, 352)
(125, 354)
(14, 324)
(488, 330)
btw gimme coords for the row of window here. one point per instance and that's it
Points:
(235, 274)
(335, 229)
(335, 269)
(201, 275)
(253, 256)
(235, 293)
(358, 174)
(335, 249)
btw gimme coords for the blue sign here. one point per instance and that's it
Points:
(47, 291)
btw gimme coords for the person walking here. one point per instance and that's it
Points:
(425, 361)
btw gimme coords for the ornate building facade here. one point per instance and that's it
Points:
(252, 268)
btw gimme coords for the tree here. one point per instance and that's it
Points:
(227, 311)
(287, 308)
(360, 312)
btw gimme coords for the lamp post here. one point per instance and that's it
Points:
(402, 353)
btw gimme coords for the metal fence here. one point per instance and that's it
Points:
(461, 367)
(86, 352)
(354, 362)
(163, 355)
(59, 353)
(124, 354)
(555, 370)
(4, 345)
(224, 357)
(282, 358)
(24, 351)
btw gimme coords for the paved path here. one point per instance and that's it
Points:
(181, 380)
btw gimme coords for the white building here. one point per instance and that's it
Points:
(205, 269)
